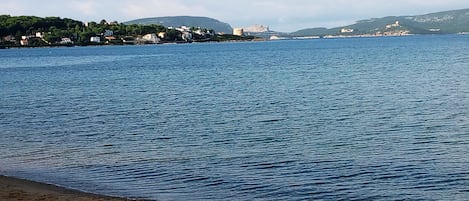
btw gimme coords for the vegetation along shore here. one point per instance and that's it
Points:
(32, 31)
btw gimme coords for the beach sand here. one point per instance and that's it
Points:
(13, 189)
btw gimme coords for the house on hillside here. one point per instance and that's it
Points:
(187, 36)
(151, 38)
(162, 35)
(346, 30)
(40, 34)
(66, 41)
(95, 39)
(396, 24)
(24, 41)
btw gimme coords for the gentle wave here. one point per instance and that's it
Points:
(348, 119)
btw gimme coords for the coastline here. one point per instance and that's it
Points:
(15, 189)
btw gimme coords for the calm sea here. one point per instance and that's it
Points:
(326, 119)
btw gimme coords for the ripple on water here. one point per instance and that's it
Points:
(352, 119)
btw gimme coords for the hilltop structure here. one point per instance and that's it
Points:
(256, 28)
(447, 22)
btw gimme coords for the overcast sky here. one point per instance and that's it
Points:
(279, 15)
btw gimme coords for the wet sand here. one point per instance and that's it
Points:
(13, 189)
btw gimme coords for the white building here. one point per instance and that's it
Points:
(345, 30)
(40, 34)
(162, 35)
(238, 31)
(396, 24)
(95, 39)
(151, 38)
(24, 41)
(186, 36)
(199, 32)
(184, 29)
(66, 41)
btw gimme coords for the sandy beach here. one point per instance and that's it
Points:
(13, 189)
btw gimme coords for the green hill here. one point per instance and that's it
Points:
(190, 21)
(448, 22)
(315, 32)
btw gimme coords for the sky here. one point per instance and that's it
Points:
(279, 15)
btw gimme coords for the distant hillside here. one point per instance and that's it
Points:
(315, 32)
(448, 22)
(177, 21)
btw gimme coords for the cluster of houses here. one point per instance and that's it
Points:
(8, 39)
(186, 34)
(394, 29)
(24, 40)
(27, 40)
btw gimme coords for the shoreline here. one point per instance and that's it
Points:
(16, 189)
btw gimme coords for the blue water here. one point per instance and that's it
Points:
(326, 119)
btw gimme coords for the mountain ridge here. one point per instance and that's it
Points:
(443, 22)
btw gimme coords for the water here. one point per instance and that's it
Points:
(328, 119)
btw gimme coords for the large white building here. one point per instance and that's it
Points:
(151, 38)
(238, 31)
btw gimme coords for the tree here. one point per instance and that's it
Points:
(173, 35)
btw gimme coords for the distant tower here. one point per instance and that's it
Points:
(238, 31)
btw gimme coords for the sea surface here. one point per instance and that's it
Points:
(326, 119)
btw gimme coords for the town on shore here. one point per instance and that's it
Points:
(31, 31)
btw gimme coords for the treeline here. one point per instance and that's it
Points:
(55, 28)
(64, 31)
